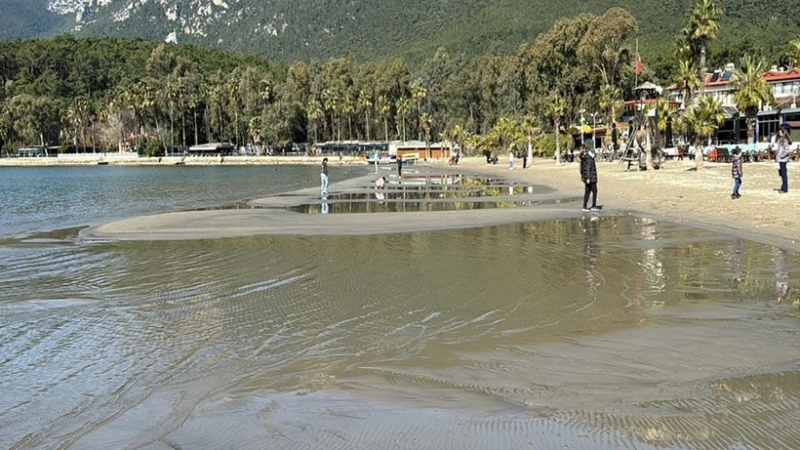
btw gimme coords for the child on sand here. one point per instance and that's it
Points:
(736, 172)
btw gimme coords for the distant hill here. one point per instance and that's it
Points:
(21, 19)
(289, 30)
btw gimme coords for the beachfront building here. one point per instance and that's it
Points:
(785, 83)
(212, 149)
(420, 150)
(350, 148)
(403, 149)
(36, 152)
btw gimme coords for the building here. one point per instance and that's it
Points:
(785, 84)
(212, 149)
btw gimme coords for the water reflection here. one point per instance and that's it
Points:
(378, 203)
(782, 289)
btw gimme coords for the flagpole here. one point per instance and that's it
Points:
(636, 69)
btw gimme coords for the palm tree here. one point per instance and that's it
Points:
(194, 100)
(315, 114)
(703, 118)
(459, 134)
(365, 104)
(330, 101)
(505, 133)
(403, 110)
(254, 129)
(609, 100)
(663, 114)
(426, 122)
(794, 51)
(752, 91)
(529, 124)
(556, 108)
(418, 93)
(349, 109)
(687, 79)
(234, 96)
(77, 115)
(704, 25)
(384, 108)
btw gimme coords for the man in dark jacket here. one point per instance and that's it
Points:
(589, 178)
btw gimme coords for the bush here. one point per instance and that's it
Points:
(152, 148)
(545, 144)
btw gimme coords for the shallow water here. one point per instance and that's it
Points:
(611, 332)
(48, 198)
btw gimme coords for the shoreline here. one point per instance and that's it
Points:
(675, 193)
(114, 159)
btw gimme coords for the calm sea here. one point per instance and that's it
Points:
(604, 332)
(47, 198)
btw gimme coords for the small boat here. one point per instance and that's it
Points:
(102, 163)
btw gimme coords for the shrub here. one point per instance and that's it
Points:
(545, 144)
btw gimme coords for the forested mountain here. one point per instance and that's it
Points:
(290, 30)
(30, 19)
(121, 93)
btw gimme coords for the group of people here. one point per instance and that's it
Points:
(588, 169)
(784, 151)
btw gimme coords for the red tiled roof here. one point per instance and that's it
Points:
(782, 75)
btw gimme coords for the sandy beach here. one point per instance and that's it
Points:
(677, 192)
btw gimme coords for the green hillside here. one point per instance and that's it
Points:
(20, 19)
(414, 29)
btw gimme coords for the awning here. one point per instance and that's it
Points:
(574, 129)
(730, 111)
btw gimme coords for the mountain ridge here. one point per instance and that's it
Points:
(289, 30)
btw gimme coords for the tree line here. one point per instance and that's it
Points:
(106, 93)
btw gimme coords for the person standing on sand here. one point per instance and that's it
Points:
(589, 178)
(511, 158)
(782, 157)
(736, 172)
(324, 176)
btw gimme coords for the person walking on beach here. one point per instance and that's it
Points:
(784, 142)
(324, 176)
(736, 172)
(589, 178)
(511, 158)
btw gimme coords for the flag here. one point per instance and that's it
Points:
(638, 65)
